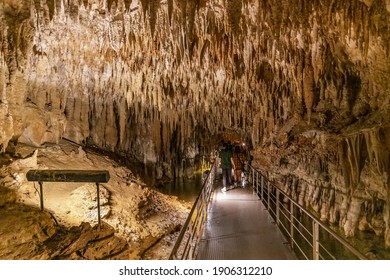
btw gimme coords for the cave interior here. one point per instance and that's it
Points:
(114, 84)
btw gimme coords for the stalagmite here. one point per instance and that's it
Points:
(154, 79)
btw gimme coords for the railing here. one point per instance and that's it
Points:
(186, 245)
(308, 236)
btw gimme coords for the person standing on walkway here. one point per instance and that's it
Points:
(226, 163)
(238, 159)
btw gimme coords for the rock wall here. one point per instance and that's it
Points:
(137, 221)
(306, 83)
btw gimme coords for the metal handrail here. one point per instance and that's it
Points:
(301, 237)
(187, 243)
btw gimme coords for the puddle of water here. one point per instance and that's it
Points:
(184, 188)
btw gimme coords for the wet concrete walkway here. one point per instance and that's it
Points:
(239, 227)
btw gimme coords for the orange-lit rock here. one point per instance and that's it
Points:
(304, 83)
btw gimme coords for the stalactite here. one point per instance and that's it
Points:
(153, 11)
(3, 79)
(51, 8)
(366, 33)
(180, 72)
(356, 155)
(114, 5)
(378, 149)
(234, 15)
(308, 87)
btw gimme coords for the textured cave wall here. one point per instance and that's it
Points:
(306, 82)
(333, 153)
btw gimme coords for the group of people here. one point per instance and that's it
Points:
(231, 161)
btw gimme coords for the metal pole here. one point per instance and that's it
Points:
(292, 223)
(41, 194)
(262, 188)
(253, 177)
(190, 244)
(277, 206)
(98, 202)
(315, 241)
(205, 199)
(268, 194)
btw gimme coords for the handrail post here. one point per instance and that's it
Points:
(315, 240)
(253, 178)
(262, 188)
(205, 203)
(277, 206)
(190, 248)
(41, 194)
(268, 194)
(98, 202)
(292, 223)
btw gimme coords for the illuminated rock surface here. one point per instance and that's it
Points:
(303, 83)
(136, 218)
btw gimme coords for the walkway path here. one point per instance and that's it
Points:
(239, 228)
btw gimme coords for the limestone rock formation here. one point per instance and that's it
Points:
(136, 220)
(304, 83)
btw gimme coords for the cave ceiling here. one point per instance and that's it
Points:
(160, 81)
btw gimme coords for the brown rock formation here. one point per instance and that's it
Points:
(306, 83)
